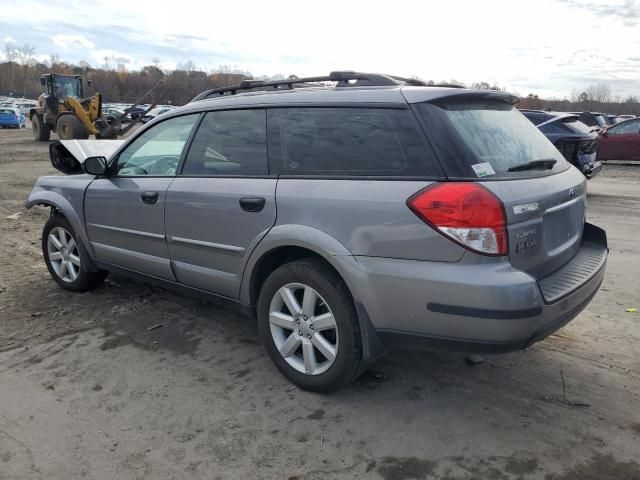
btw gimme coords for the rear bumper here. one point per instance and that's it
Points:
(592, 169)
(486, 307)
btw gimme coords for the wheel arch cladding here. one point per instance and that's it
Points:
(286, 243)
(56, 201)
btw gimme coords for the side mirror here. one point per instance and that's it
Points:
(95, 165)
(43, 81)
(88, 82)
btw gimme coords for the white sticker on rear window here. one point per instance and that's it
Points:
(483, 169)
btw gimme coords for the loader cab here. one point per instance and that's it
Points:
(62, 86)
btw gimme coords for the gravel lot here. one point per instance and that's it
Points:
(87, 390)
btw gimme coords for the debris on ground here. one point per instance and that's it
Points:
(631, 310)
(475, 359)
(14, 216)
(156, 326)
(564, 391)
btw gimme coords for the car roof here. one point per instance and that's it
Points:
(323, 95)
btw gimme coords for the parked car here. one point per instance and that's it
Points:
(155, 112)
(11, 117)
(117, 113)
(406, 215)
(25, 107)
(137, 111)
(571, 137)
(592, 119)
(612, 119)
(620, 141)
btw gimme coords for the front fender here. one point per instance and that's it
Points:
(49, 198)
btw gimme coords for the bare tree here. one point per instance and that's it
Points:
(599, 93)
(187, 66)
(54, 60)
(10, 52)
(25, 55)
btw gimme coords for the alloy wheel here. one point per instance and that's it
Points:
(303, 328)
(64, 255)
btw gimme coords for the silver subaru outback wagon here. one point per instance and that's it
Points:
(351, 216)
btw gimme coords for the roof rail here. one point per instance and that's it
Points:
(343, 79)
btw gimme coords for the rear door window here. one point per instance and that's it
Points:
(230, 142)
(348, 142)
(478, 138)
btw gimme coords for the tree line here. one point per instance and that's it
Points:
(20, 76)
(595, 98)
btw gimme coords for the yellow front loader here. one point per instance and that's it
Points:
(63, 109)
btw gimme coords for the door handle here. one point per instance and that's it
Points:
(149, 197)
(252, 204)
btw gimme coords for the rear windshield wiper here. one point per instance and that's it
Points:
(544, 164)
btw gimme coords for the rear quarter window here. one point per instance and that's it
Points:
(478, 138)
(327, 141)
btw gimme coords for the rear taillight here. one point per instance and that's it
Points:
(467, 213)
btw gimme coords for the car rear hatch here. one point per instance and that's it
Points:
(481, 138)
(8, 116)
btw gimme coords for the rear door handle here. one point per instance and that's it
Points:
(149, 197)
(252, 204)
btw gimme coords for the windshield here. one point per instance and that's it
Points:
(485, 138)
(66, 87)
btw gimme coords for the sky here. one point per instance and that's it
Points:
(545, 47)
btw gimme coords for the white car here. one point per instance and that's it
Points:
(159, 110)
(25, 107)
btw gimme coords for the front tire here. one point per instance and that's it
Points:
(41, 131)
(69, 127)
(61, 251)
(309, 327)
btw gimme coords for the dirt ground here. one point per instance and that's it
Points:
(88, 390)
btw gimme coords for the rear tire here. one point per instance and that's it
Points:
(69, 127)
(325, 327)
(41, 131)
(61, 249)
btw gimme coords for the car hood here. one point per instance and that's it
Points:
(83, 149)
(68, 156)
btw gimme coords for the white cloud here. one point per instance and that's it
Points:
(9, 40)
(72, 41)
(529, 46)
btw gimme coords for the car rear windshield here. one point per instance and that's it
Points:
(484, 138)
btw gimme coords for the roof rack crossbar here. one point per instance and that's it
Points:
(343, 79)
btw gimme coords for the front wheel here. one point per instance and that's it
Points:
(41, 130)
(69, 127)
(61, 251)
(309, 326)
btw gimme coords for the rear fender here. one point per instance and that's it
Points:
(332, 251)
